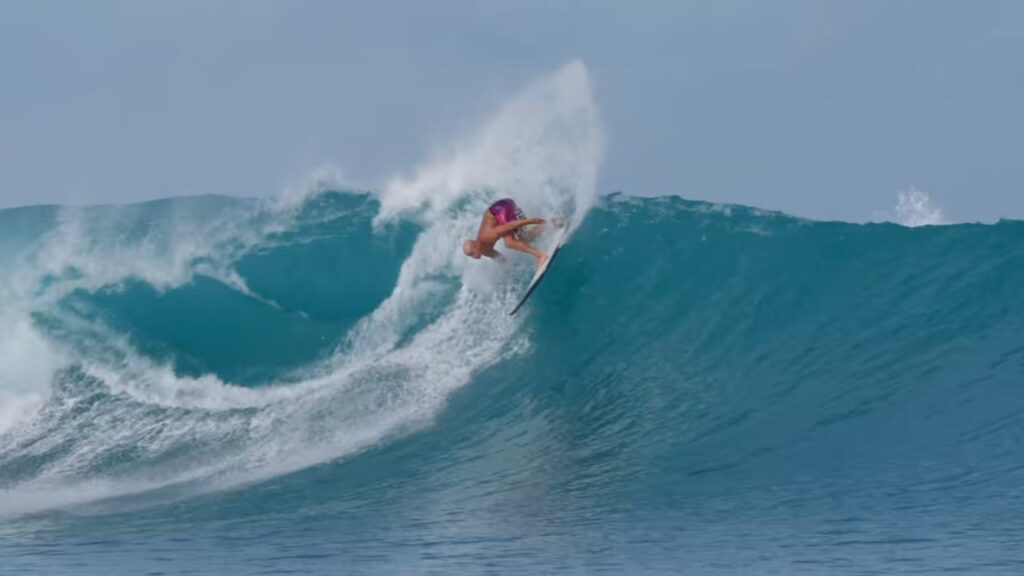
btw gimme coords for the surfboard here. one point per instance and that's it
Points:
(559, 241)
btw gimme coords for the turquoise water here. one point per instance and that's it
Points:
(225, 386)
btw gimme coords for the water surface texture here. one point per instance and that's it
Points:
(224, 386)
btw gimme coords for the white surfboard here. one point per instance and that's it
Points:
(558, 241)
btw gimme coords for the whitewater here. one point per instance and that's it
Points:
(319, 382)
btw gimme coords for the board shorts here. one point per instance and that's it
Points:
(505, 211)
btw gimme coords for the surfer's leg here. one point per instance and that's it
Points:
(515, 244)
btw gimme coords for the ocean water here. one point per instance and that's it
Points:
(319, 382)
(324, 385)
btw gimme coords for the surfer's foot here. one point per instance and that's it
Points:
(541, 260)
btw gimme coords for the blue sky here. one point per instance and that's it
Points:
(820, 109)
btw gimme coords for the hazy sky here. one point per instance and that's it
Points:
(821, 109)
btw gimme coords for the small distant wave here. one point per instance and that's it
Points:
(913, 208)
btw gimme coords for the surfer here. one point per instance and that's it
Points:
(504, 219)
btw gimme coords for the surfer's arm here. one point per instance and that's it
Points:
(515, 225)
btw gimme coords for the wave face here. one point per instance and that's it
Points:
(328, 385)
